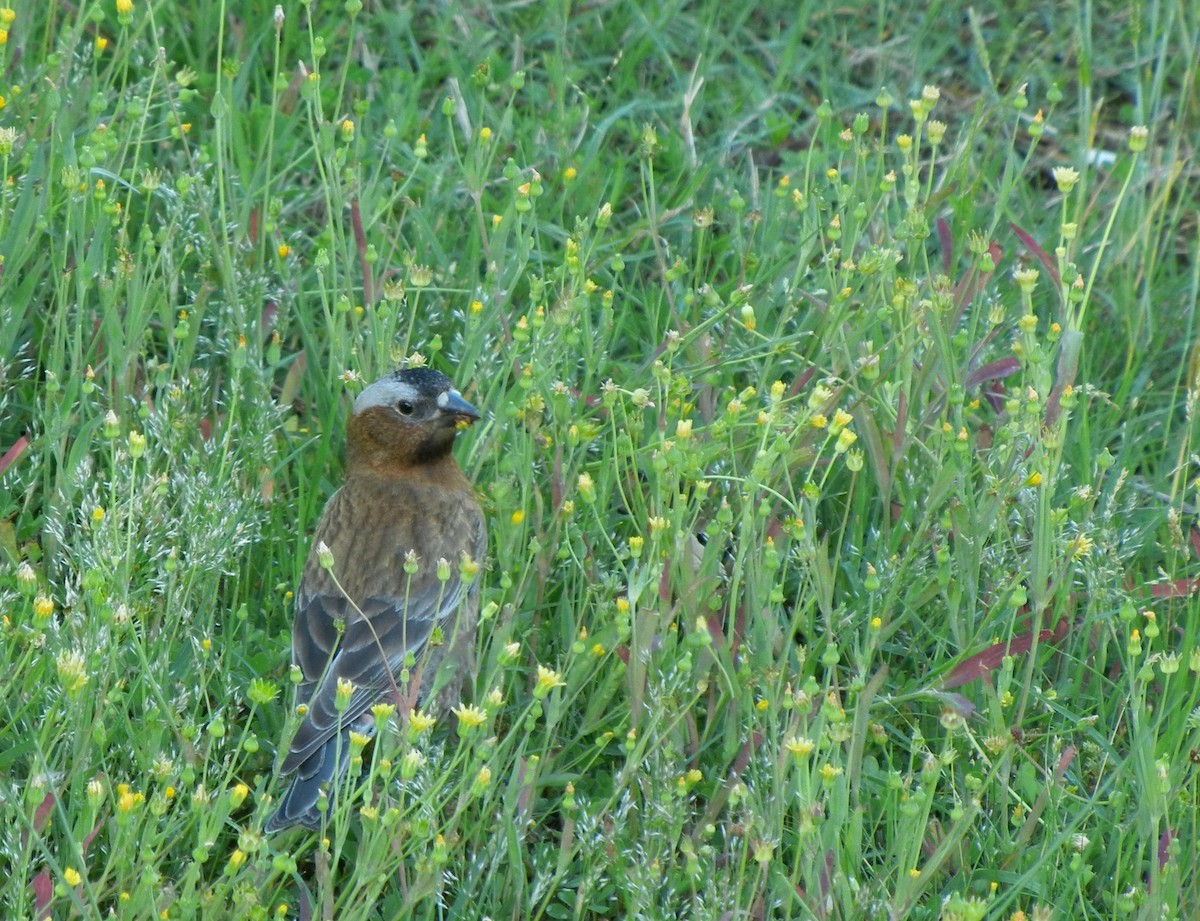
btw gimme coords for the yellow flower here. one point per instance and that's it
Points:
(127, 801)
(383, 711)
(830, 772)
(345, 690)
(586, 487)
(1079, 546)
(469, 717)
(419, 721)
(124, 7)
(1065, 178)
(547, 681)
(71, 875)
(72, 671)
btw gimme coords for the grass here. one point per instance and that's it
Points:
(839, 376)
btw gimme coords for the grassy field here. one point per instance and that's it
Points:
(838, 365)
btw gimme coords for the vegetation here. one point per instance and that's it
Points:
(839, 379)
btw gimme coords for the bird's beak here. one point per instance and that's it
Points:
(452, 403)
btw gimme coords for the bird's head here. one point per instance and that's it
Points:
(408, 417)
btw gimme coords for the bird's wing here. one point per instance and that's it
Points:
(379, 635)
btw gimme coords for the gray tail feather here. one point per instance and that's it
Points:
(323, 769)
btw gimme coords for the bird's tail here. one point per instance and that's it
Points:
(322, 770)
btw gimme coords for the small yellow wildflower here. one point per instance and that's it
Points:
(419, 721)
(345, 690)
(127, 800)
(1079, 546)
(547, 681)
(1065, 178)
(469, 717)
(830, 772)
(383, 711)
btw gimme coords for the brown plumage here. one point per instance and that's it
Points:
(403, 492)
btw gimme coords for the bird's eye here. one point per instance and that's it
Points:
(405, 407)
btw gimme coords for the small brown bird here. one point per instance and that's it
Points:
(365, 619)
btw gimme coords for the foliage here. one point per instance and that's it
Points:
(839, 384)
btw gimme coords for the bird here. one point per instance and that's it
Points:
(367, 616)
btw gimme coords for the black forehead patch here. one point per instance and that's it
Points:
(425, 380)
